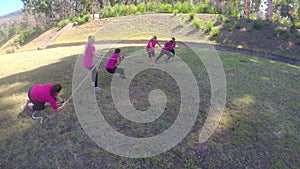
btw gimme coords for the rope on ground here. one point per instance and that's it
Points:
(35, 117)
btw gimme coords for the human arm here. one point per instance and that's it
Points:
(61, 107)
(96, 54)
(159, 44)
(119, 60)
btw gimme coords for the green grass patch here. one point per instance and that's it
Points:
(197, 22)
(258, 128)
(215, 32)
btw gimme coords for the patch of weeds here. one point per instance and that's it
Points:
(175, 12)
(192, 16)
(249, 20)
(258, 25)
(298, 35)
(225, 19)
(209, 25)
(215, 32)
(197, 23)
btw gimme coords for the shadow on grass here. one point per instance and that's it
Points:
(258, 128)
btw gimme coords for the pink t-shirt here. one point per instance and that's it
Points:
(173, 44)
(167, 47)
(88, 56)
(112, 61)
(41, 93)
(151, 44)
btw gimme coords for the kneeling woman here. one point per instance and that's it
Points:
(113, 62)
(42, 93)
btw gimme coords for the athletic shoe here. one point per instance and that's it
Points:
(97, 88)
(26, 105)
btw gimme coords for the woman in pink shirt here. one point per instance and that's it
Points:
(150, 49)
(41, 93)
(165, 50)
(87, 62)
(113, 62)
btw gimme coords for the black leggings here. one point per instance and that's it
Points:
(115, 70)
(36, 105)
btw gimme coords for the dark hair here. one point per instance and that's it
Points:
(55, 88)
(117, 50)
(171, 41)
(173, 38)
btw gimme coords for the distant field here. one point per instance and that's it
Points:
(259, 127)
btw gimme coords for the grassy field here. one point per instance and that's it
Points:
(259, 127)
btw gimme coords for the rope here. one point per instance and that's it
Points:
(99, 62)
(37, 118)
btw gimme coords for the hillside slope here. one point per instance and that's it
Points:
(165, 26)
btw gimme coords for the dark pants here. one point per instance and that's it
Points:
(173, 51)
(162, 52)
(36, 105)
(94, 75)
(115, 70)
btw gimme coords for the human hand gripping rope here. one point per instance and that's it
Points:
(98, 63)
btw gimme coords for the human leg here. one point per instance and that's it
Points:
(162, 52)
(169, 56)
(121, 72)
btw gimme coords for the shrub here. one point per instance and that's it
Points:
(130, 10)
(225, 19)
(86, 18)
(192, 16)
(298, 35)
(108, 11)
(297, 25)
(285, 22)
(63, 23)
(186, 7)
(163, 7)
(205, 8)
(209, 25)
(215, 32)
(27, 34)
(141, 8)
(175, 12)
(258, 25)
(197, 23)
